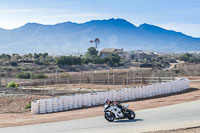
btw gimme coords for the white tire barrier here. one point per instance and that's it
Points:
(35, 107)
(49, 106)
(60, 104)
(89, 102)
(65, 102)
(55, 104)
(93, 99)
(75, 103)
(80, 101)
(70, 102)
(42, 105)
(85, 100)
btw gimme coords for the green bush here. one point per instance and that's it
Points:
(68, 60)
(30, 75)
(24, 75)
(39, 76)
(64, 75)
(13, 63)
(28, 106)
(113, 60)
(12, 85)
(190, 58)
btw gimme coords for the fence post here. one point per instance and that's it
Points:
(56, 77)
(45, 84)
(108, 79)
(0, 79)
(124, 80)
(113, 78)
(30, 82)
(6, 78)
(173, 73)
(80, 79)
(133, 80)
(68, 83)
(127, 78)
(92, 80)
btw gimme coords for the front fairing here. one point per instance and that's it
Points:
(105, 106)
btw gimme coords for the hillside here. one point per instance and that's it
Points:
(69, 37)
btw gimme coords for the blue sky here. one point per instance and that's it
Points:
(179, 15)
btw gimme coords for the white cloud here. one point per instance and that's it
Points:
(188, 29)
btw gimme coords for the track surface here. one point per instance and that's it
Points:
(163, 118)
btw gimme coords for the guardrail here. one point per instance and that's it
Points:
(65, 103)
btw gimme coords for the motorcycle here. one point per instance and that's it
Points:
(117, 111)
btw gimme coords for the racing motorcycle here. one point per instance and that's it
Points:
(114, 111)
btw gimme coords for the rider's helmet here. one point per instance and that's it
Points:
(107, 101)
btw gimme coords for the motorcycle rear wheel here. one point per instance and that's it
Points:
(131, 114)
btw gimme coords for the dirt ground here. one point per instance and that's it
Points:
(25, 118)
(17, 103)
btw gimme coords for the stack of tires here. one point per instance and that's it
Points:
(65, 103)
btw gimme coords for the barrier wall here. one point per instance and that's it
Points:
(65, 103)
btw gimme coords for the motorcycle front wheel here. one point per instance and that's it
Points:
(131, 114)
(109, 116)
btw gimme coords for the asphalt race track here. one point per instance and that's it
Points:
(163, 118)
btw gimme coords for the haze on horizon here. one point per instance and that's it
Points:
(170, 14)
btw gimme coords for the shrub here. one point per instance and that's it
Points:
(30, 75)
(24, 75)
(64, 75)
(38, 76)
(68, 60)
(13, 63)
(28, 106)
(185, 57)
(12, 85)
(113, 60)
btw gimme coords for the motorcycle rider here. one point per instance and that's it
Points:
(114, 110)
(111, 103)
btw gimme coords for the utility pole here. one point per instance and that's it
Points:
(78, 52)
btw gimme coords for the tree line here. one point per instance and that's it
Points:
(92, 56)
(187, 57)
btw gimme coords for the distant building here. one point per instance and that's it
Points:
(108, 51)
(140, 55)
(126, 56)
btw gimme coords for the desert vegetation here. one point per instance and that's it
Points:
(43, 65)
(192, 58)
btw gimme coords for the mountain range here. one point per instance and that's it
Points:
(113, 33)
